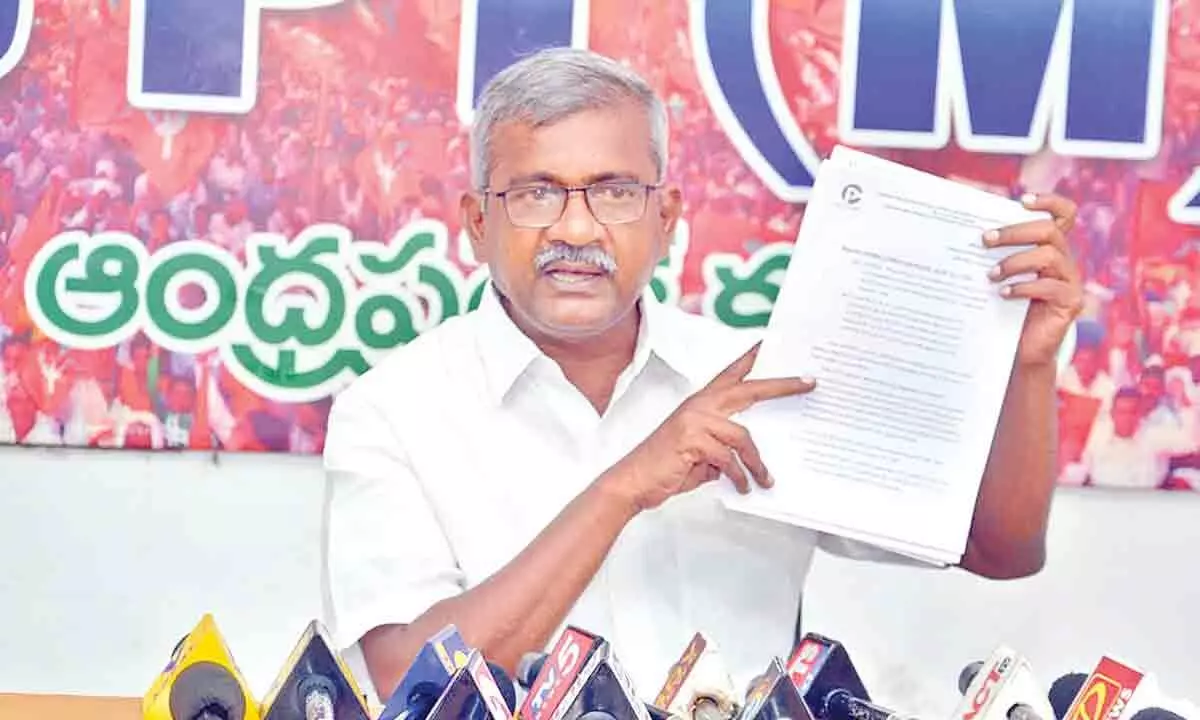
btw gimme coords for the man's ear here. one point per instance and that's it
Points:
(670, 208)
(471, 213)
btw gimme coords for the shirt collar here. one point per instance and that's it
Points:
(507, 353)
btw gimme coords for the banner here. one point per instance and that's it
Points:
(213, 216)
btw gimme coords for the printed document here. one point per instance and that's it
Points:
(887, 304)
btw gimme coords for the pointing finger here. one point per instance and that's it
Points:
(749, 392)
(738, 369)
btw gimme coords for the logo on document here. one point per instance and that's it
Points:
(852, 194)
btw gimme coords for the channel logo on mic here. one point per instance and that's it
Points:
(1107, 692)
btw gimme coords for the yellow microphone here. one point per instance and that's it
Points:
(314, 684)
(201, 681)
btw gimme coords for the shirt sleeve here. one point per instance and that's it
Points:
(387, 557)
(855, 550)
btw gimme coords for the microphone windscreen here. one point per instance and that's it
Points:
(207, 687)
(505, 684)
(529, 667)
(597, 715)
(967, 676)
(1064, 691)
(1155, 713)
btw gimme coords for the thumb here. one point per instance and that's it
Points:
(738, 369)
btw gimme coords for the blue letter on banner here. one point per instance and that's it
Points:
(494, 33)
(732, 46)
(198, 55)
(1090, 73)
(16, 25)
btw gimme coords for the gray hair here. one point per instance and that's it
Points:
(552, 85)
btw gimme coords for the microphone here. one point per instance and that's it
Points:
(529, 667)
(821, 665)
(773, 696)
(200, 681)
(580, 675)
(822, 672)
(505, 684)
(1063, 692)
(698, 686)
(1156, 714)
(314, 684)
(438, 660)
(1002, 688)
(473, 693)
(1118, 691)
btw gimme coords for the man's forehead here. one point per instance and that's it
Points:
(583, 146)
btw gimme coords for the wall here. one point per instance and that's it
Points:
(111, 557)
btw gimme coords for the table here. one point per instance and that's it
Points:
(29, 707)
(36, 707)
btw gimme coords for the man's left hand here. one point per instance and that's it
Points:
(1056, 293)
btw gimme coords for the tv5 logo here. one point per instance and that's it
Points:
(564, 663)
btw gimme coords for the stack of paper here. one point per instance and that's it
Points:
(887, 304)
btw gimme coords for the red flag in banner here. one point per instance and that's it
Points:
(42, 225)
(1155, 235)
(98, 77)
(173, 148)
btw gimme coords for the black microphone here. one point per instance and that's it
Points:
(529, 667)
(1063, 692)
(821, 665)
(314, 684)
(207, 691)
(200, 682)
(773, 696)
(505, 684)
(1156, 713)
(842, 705)
(473, 693)
(822, 672)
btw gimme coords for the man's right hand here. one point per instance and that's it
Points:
(698, 442)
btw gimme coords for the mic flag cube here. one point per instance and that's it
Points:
(472, 694)
(820, 665)
(314, 684)
(200, 680)
(582, 675)
(699, 678)
(772, 696)
(436, 663)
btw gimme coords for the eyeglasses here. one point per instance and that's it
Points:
(540, 206)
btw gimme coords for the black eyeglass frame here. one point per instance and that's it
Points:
(568, 190)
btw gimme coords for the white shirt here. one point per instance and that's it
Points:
(449, 457)
(1137, 462)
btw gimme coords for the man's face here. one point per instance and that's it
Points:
(1087, 363)
(1126, 415)
(1152, 386)
(589, 147)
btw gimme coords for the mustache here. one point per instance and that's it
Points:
(577, 255)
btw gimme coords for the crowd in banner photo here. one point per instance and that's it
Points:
(207, 281)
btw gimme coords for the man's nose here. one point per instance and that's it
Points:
(577, 225)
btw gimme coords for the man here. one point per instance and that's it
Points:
(548, 458)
